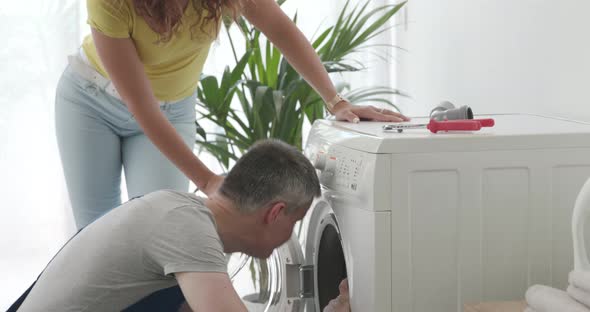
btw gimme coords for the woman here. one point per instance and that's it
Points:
(127, 99)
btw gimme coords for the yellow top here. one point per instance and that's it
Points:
(174, 67)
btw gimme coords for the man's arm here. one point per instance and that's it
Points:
(209, 291)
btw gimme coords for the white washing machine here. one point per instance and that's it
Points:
(423, 222)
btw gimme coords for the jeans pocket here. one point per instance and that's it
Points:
(95, 97)
(113, 109)
(183, 111)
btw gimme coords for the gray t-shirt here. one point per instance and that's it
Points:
(129, 253)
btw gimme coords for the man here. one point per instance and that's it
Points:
(167, 238)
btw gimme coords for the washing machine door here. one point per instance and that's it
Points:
(325, 261)
(274, 284)
(301, 275)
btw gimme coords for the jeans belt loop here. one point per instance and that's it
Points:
(90, 74)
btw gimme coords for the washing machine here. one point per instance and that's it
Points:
(422, 222)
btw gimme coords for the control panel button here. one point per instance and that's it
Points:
(330, 165)
(319, 161)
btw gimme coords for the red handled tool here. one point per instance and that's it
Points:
(447, 125)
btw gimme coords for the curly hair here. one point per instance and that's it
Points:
(164, 16)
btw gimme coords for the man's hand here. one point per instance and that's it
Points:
(342, 302)
(345, 111)
(213, 184)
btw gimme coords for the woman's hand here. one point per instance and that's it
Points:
(213, 184)
(342, 302)
(347, 112)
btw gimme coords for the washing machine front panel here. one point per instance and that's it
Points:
(350, 173)
(356, 188)
(366, 241)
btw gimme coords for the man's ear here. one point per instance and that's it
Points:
(274, 212)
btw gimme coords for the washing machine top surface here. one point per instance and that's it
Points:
(511, 131)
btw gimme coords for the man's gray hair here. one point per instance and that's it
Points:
(271, 171)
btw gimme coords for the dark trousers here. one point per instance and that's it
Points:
(168, 299)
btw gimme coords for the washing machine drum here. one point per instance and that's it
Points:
(301, 275)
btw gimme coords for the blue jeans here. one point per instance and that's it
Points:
(97, 137)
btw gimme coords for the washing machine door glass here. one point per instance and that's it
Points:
(269, 285)
(324, 255)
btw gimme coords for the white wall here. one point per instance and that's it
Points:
(35, 219)
(497, 56)
(378, 60)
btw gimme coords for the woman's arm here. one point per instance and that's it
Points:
(268, 17)
(122, 63)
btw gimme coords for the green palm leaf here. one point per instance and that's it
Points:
(262, 96)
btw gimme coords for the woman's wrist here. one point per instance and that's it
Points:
(344, 104)
(336, 103)
(198, 173)
(208, 177)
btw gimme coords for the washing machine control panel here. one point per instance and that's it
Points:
(339, 168)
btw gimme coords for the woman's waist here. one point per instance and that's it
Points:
(167, 87)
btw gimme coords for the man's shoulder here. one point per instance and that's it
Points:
(185, 238)
(174, 197)
(182, 207)
(156, 207)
